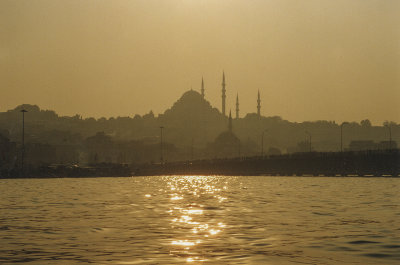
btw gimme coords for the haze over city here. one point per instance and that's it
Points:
(200, 132)
(311, 60)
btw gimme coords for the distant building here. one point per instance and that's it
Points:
(274, 151)
(38, 154)
(302, 147)
(364, 145)
(227, 144)
(385, 145)
(8, 153)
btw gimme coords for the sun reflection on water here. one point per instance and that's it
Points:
(175, 198)
(194, 210)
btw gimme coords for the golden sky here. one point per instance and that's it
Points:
(311, 59)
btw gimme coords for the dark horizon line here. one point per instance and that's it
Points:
(156, 116)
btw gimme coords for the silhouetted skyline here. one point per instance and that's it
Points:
(311, 60)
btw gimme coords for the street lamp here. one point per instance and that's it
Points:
(23, 139)
(262, 142)
(341, 135)
(161, 143)
(191, 150)
(309, 135)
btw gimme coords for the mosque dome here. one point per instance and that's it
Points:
(191, 105)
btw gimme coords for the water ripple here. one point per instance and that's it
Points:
(200, 220)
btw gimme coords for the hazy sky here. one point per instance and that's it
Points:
(312, 59)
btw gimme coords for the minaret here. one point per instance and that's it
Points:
(202, 87)
(223, 93)
(230, 121)
(259, 105)
(237, 106)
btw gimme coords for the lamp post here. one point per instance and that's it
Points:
(262, 143)
(23, 139)
(341, 135)
(191, 150)
(309, 139)
(161, 144)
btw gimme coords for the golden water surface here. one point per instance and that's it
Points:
(200, 220)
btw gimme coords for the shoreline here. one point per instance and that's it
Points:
(312, 164)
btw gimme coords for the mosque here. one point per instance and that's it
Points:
(227, 144)
(223, 97)
(193, 121)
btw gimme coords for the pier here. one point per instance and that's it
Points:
(365, 164)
